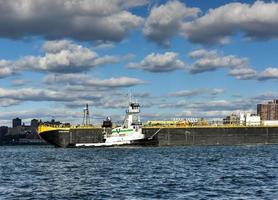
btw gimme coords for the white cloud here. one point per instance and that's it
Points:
(86, 80)
(166, 21)
(255, 21)
(108, 20)
(212, 109)
(9, 96)
(196, 92)
(213, 115)
(61, 56)
(58, 46)
(268, 73)
(243, 73)
(6, 102)
(103, 45)
(213, 60)
(33, 94)
(159, 62)
(5, 69)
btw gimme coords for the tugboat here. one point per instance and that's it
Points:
(129, 133)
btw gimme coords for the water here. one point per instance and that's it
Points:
(44, 172)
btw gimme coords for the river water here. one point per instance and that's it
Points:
(44, 172)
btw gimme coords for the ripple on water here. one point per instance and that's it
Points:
(43, 172)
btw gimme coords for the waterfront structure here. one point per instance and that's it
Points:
(242, 119)
(34, 123)
(268, 111)
(251, 120)
(270, 123)
(17, 122)
(232, 119)
(3, 130)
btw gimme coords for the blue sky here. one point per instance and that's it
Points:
(180, 58)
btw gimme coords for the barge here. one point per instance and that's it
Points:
(132, 132)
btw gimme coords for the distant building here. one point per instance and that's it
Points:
(270, 123)
(250, 120)
(244, 119)
(17, 122)
(53, 122)
(268, 111)
(34, 123)
(232, 119)
(3, 130)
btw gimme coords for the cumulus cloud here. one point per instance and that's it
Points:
(93, 91)
(243, 73)
(114, 100)
(103, 45)
(238, 104)
(215, 108)
(212, 60)
(5, 69)
(61, 56)
(212, 115)
(33, 94)
(89, 20)
(165, 21)
(268, 73)
(8, 102)
(196, 92)
(159, 62)
(86, 80)
(264, 97)
(255, 21)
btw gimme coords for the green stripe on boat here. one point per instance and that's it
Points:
(120, 131)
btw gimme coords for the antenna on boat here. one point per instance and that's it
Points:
(130, 97)
(86, 115)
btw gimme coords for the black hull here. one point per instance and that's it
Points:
(172, 136)
(145, 142)
(215, 136)
(62, 138)
(56, 138)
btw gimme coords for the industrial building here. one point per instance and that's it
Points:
(17, 122)
(232, 119)
(244, 119)
(268, 111)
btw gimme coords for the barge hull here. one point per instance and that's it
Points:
(173, 136)
(215, 136)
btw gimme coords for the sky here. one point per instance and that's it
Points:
(179, 59)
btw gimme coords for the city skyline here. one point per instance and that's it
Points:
(178, 58)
